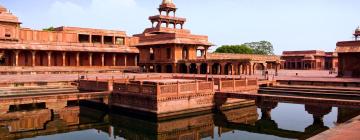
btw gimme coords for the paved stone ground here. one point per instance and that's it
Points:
(310, 75)
(347, 131)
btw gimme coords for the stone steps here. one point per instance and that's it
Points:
(28, 91)
(334, 93)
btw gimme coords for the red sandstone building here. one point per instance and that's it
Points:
(349, 56)
(69, 47)
(309, 60)
(169, 48)
(165, 47)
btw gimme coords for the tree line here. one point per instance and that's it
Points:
(261, 47)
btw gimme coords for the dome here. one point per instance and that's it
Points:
(357, 29)
(167, 2)
(2, 9)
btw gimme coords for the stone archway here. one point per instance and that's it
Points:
(228, 70)
(169, 68)
(216, 68)
(183, 68)
(203, 68)
(258, 67)
(193, 68)
(158, 69)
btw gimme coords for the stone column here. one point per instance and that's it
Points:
(187, 67)
(136, 60)
(174, 68)
(125, 60)
(276, 69)
(114, 59)
(102, 59)
(222, 69)
(209, 68)
(64, 59)
(4, 109)
(78, 59)
(218, 72)
(232, 69)
(33, 58)
(198, 68)
(16, 57)
(49, 58)
(90, 59)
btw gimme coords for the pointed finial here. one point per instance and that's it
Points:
(167, 2)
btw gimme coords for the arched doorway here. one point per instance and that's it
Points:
(193, 68)
(203, 68)
(169, 69)
(228, 69)
(158, 68)
(216, 68)
(259, 67)
(183, 68)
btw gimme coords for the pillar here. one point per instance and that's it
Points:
(78, 59)
(198, 68)
(125, 60)
(222, 71)
(218, 72)
(277, 69)
(16, 57)
(136, 60)
(187, 67)
(64, 59)
(114, 59)
(49, 58)
(33, 56)
(174, 68)
(90, 59)
(209, 68)
(102, 59)
(232, 69)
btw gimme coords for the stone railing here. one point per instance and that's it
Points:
(185, 88)
(88, 85)
(237, 85)
(134, 88)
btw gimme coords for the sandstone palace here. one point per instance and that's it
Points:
(165, 47)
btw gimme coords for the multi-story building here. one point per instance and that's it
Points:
(309, 60)
(63, 47)
(349, 56)
(168, 47)
(165, 47)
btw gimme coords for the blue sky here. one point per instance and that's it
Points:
(288, 24)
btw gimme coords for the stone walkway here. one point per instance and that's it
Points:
(346, 131)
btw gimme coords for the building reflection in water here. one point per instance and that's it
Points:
(38, 121)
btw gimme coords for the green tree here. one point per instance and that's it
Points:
(238, 49)
(261, 47)
(49, 29)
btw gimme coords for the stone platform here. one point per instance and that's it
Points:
(170, 96)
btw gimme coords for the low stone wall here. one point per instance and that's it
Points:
(238, 85)
(319, 83)
(95, 86)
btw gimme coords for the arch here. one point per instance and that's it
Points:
(158, 69)
(203, 68)
(258, 67)
(169, 68)
(193, 68)
(228, 69)
(183, 68)
(216, 68)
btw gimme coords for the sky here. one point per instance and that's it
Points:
(287, 24)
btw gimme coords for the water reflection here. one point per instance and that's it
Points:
(86, 122)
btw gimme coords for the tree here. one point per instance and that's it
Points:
(238, 49)
(49, 29)
(261, 47)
